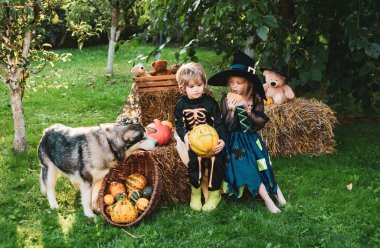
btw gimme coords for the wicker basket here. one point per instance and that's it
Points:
(138, 162)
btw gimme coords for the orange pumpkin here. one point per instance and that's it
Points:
(135, 182)
(116, 188)
(123, 212)
(108, 199)
(167, 123)
(141, 204)
(269, 101)
(161, 133)
(203, 139)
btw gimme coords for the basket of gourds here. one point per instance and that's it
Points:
(130, 191)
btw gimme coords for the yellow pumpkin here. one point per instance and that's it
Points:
(123, 212)
(109, 210)
(141, 204)
(269, 101)
(135, 182)
(203, 139)
(108, 199)
(116, 188)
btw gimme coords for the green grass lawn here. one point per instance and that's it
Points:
(321, 212)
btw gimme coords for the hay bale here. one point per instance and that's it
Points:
(152, 98)
(158, 105)
(175, 182)
(301, 126)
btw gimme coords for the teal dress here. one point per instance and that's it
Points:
(248, 162)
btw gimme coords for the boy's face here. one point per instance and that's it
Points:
(238, 85)
(194, 89)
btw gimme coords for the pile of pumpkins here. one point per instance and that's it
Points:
(126, 201)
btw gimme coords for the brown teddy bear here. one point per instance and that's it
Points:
(275, 85)
(160, 68)
(139, 71)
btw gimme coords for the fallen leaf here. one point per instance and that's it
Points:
(349, 186)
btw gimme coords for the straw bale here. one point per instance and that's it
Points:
(175, 182)
(147, 106)
(300, 126)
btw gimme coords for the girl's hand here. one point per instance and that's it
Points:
(187, 142)
(219, 147)
(231, 104)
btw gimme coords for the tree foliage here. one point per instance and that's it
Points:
(23, 52)
(329, 47)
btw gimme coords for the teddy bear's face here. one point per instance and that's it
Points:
(273, 78)
(159, 65)
(138, 70)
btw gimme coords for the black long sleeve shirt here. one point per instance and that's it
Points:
(191, 112)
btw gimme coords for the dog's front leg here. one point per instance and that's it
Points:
(95, 194)
(85, 189)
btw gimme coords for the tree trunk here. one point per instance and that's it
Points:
(19, 143)
(114, 36)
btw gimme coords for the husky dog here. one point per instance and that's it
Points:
(85, 155)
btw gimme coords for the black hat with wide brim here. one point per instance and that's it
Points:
(242, 66)
(277, 70)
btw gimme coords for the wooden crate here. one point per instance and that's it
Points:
(156, 83)
(156, 97)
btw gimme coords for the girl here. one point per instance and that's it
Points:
(248, 162)
(194, 108)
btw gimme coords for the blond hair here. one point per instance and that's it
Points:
(188, 72)
(248, 90)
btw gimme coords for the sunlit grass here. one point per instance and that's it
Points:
(321, 211)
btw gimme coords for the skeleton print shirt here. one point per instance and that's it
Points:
(192, 112)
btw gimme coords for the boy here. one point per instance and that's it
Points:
(195, 108)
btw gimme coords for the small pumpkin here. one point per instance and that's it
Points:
(133, 196)
(203, 139)
(161, 133)
(116, 188)
(109, 209)
(123, 212)
(167, 123)
(269, 101)
(147, 192)
(141, 204)
(135, 181)
(121, 196)
(108, 199)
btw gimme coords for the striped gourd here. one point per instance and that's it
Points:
(135, 181)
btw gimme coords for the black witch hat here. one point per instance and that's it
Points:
(242, 66)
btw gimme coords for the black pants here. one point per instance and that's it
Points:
(217, 174)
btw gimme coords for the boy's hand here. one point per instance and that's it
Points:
(187, 142)
(219, 147)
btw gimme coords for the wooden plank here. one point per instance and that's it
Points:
(154, 78)
(157, 83)
(156, 89)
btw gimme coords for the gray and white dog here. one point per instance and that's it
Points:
(85, 155)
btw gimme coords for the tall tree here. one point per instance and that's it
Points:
(20, 24)
(91, 17)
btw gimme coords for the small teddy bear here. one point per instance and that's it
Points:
(160, 68)
(139, 71)
(174, 68)
(275, 85)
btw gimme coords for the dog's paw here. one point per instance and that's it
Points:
(89, 213)
(53, 205)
